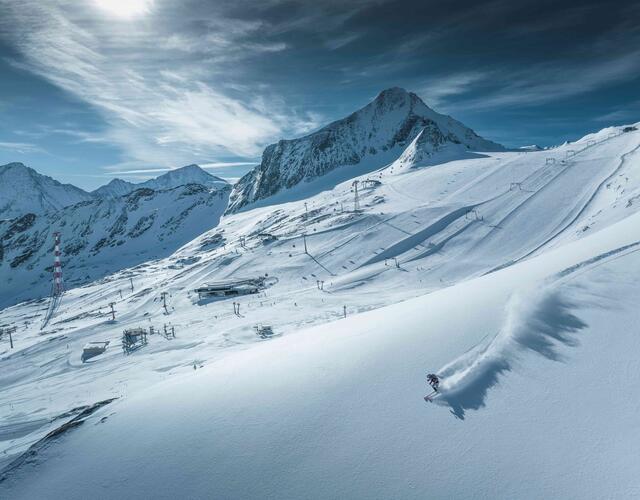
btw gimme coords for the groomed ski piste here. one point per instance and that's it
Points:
(513, 275)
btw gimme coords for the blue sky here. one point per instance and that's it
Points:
(94, 89)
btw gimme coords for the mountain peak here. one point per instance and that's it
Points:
(23, 190)
(371, 137)
(398, 96)
(18, 168)
(186, 175)
(193, 168)
(117, 182)
(189, 174)
(114, 188)
(392, 92)
(14, 164)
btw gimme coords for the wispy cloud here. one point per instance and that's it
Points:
(437, 90)
(222, 164)
(548, 82)
(21, 147)
(630, 113)
(207, 166)
(165, 90)
(340, 41)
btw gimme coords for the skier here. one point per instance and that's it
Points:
(434, 382)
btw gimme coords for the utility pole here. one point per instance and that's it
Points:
(131, 280)
(9, 330)
(58, 287)
(356, 199)
(163, 295)
(113, 311)
(304, 238)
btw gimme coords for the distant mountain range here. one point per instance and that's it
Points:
(23, 190)
(191, 174)
(102, 235)
(116, 226)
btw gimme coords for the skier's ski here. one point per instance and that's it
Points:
(429, 397)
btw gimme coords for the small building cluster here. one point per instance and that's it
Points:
(267, 238)
(93, 349)
(264, 331)
(370, 183)
(133, 338)
(231, 288)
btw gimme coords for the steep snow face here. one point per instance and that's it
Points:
(23, 190)
(425, 151)
(376, 135)
(103, 235)
(191, 174)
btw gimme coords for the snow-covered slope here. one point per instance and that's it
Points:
(486, 270)
(541, 382)
(103, 235)
(23, 190)
(368, 139)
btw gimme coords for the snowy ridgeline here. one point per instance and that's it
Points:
(23, 190)
(510, 274)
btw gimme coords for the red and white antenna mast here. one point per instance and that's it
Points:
(58, 287)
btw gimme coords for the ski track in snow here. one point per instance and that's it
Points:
(539, 320)
(587, 204)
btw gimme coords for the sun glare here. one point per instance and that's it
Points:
(125, 9)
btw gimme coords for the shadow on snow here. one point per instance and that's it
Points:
(541, 324)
